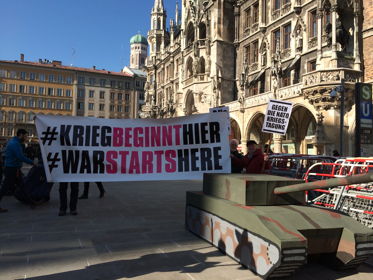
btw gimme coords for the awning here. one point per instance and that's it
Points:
(292, 63)
(257, 76)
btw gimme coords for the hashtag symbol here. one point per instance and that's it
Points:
(49, 135)
(52, 160)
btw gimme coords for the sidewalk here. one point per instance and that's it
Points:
(135, 232)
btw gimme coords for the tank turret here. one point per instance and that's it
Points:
(263, 222)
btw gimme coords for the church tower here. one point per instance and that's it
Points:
(156, 35)
(139, 51)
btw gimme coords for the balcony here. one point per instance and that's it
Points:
(330, 77)
(188, 81)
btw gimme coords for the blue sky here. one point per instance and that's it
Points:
(79, 32)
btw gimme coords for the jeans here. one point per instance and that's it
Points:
(73, 196)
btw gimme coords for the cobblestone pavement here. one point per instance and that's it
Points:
(135, 232)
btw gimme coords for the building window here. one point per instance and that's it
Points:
(13, 74)
(80, 105)
(11, 116)
(51, 78)
(312, 65)
(81, 80)
(31, 103)
(119, 108)
(141, 96)
(127, 97)
(102, 82)
(112, 95)
(41, 103)
(68, 92)
(60, 79)
(21, 89)
(112, 107)
(276, 5)
(31, 89)
(112, 84)
(91, 94)
(126, 109)
(286, 36)
(247, 55)
(41, 90)
(81, 93)
(92, 81)
(50, 91)
(32, 76)
(21, 116)
(312, 24)
(102, 107)
(120, 96)
(2, 73)
(58, 105)
(69, 80)
(59, 92)
(256, 13)
(67, 106)
(2, 87)
(276, 36)
(255, 51)
(128, 85)
(12, 101)
(91, 106)
(21, 102)
(30, 117)
(49, 104)
(102, 94)
(12, 88)
(285, 79)
(120, 85)
(138, 84)
(23, 76)
(247, 18)
(41, 77)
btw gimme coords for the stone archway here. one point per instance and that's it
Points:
(235, 132)
(254, 130)
(190, 107)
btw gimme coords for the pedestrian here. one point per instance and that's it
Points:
(253, 161)
(336, 154)
(236, 167)
(14, 158)
(86, 190)
(74, 192)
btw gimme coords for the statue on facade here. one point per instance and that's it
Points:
(342, 35)
(264, 55)
(299, 38)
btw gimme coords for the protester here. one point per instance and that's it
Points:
(236, 167)
(74, 192)
(336, 154)
(252, 162)
(86, 190)
(267, 153)
(13, 163)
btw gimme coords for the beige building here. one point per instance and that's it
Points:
(49, 87)
(242, 53)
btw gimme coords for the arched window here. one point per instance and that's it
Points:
(190, 34)
(202, 65)
(158, 23)
(202, 31)
(189, 67)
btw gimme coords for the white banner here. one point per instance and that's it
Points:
(83, 149)
(277, 117)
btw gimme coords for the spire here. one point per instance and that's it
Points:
(158, 6)
(177, 14)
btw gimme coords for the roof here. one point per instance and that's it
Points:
(134, 71)
(138, 39)
(64, 67)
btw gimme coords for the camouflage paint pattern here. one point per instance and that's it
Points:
(273, 241)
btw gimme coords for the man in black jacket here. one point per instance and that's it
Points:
(235, 153)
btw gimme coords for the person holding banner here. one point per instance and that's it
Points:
(73, 198)
(235, 167)
(86, 190)
(14, 158)
(253, 161)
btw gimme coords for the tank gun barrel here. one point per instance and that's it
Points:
(323, 184)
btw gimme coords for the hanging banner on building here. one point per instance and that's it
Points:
(82, 149)
(364, 119)
(219, 109)
(277, 117)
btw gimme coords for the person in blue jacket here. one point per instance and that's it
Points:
(13, 162)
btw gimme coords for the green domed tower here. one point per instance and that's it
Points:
(139, 51)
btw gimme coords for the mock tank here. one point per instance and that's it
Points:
(263, 222)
